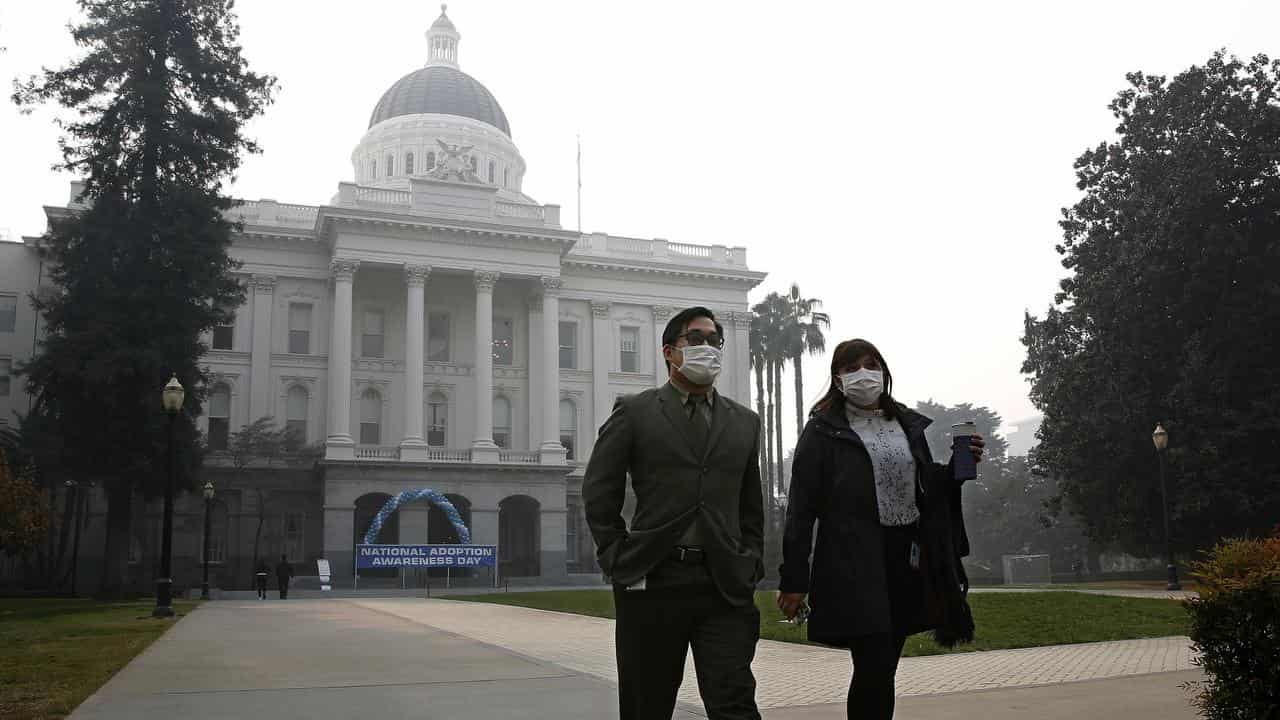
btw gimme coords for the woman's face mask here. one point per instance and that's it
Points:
(863, 387)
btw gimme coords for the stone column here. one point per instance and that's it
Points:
(483, 449)
(339, 531)
(601, 364)
(339, 445)
(661, 315)
(742, 357)
(260, 393)
(554, 524)
(551, 452)
(413, 447)
(535, 364)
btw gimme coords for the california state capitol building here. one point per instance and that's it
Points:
(431, 326)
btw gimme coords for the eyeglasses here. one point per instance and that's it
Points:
(697, 337)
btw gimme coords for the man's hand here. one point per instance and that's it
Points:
(789, 604)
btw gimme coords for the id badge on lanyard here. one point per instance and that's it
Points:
(913, 556)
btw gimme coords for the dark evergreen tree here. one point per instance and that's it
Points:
(1170, 314)
(160, 97)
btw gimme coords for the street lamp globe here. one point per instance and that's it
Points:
(208, 490)
(173, 395)
(1160, 438)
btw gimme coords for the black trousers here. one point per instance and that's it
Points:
(261, 582)
(681, 607)
(284, 587)
(875, 656)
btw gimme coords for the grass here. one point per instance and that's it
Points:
(1014, 620)
(55, 652)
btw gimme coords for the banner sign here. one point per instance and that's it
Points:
(387, 556)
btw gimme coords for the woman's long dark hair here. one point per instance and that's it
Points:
(845, 354)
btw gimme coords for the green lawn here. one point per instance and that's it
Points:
(1012, 620)
(54, 653)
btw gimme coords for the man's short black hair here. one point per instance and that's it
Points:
(678, 324)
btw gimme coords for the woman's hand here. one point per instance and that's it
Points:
(977, 445)
(789, 604)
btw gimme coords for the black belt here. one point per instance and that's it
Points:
(687, 555)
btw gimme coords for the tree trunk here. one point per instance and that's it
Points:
(257, 535)
(115, 558)
(57, 575)
(764, 441)
(769, 429)
(777, 409)
(798, 363)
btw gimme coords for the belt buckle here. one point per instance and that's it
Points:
(684, 551)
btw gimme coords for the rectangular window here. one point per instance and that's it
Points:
(438, 337)
(569, 345)
(294, 524)
(300, 328)
(437, 421)
(503, 341)
(371, 340)
(224, 336)
(629, 346)
(8, 312)
(218, 534)
(6, 372)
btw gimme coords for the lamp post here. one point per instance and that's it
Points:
(1160, 438)
(208, 502)
(171, 401)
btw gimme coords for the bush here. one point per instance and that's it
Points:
(1235, 627)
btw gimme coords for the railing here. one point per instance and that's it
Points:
(374, 452)
(447, 455)
(380, 196)
(693, 251)
(630, 246)
(518, 457)
(523, 212)
(270, 212)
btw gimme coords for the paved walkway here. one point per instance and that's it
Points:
(407, 657)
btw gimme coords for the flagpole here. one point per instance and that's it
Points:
(579, 184)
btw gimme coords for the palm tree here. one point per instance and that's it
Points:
(772, 312)
(803, 336)
(756, 354)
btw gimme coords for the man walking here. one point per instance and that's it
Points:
(284, 573)
(685, 572)
(260, 579)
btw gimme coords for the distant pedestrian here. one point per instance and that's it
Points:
(260, 579)
(284, 573)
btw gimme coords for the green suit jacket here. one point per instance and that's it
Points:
(648, 437)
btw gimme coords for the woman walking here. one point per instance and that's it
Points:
(890, 534)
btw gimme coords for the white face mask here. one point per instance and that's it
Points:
(701, 364)
(863, 387)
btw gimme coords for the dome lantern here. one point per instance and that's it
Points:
(442, 42)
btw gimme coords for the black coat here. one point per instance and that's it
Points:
(832, 481)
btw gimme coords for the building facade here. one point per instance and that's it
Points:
(432, 326)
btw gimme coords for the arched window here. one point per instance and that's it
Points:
(295, 414)
(431, 161)
(219, 417)
(408, 164)
(437, 419)
(506, 177)
(502, 422)
(217, 531)
(569, 427)
(493, 170)
(373, 169)
(370, 417)
(391, 165)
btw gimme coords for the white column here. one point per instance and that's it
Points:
(551, 452)
(483, 449)
(260, 393)
(413, 447)
(661, 314)
(535, 365)
(601, 364)
(339, 445)
(742, 357)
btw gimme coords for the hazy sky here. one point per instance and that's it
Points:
(904, 162)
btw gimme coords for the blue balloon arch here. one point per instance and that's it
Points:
(408, 496)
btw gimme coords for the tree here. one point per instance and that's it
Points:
(803, 335)
(259, 440)
(944, 416)
(1170, 313)
(771, 314)
(161, 96)
(24, 517)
